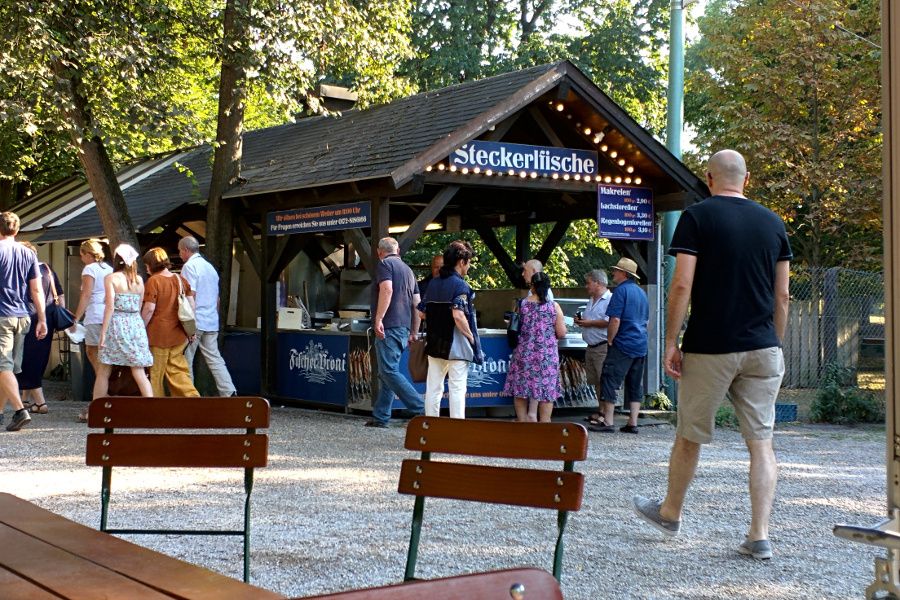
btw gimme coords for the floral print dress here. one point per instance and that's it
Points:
(125, 343)
(534, 369)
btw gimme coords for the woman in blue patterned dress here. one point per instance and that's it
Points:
(533, 377)
(123, 337)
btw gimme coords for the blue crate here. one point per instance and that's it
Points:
(785, 413)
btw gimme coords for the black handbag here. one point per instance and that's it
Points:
(59, 318)
(512, 329)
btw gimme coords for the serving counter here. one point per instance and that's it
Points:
(337, 368)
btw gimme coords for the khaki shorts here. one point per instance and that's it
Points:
(753, 378)
(593, 363)
(12, 342)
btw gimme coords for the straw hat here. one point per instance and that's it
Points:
(628, 266)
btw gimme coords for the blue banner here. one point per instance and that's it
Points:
(543, 160)
(313, 367)
(321, 218)
(625, 212)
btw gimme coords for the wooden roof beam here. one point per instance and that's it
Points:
(360, 243)
(553, 239)
(510, 267)
(434, 208)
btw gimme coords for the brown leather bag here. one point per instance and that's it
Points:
(418, 361)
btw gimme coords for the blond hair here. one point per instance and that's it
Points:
(92, 247)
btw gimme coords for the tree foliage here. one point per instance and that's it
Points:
(795, 87)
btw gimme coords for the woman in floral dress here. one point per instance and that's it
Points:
(123, 338)
(533, 377)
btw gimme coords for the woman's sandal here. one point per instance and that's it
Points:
(82, 417)
(38, 409)
(596, 419)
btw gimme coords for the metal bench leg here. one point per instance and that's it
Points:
(413, 554)
(104, 496)
(561, 520)
(248, 488)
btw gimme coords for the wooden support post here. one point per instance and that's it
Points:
(253, 253)
(513, 271)
(381, 218)
(553, 239)
(357, 239)
(523, 242)
(269, 312)
(432, 210)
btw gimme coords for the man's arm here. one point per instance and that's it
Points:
(385, 293)
(416, 317)
(612, 329)
(37, 298)
(679, 299)
(782, 296)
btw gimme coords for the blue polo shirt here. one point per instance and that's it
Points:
(629, 304)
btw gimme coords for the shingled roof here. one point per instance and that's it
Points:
(391, 142)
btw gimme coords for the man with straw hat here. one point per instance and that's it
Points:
(628, 313)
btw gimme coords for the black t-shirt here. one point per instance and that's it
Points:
(737, 243)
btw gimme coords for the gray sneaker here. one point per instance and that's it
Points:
(648, 510)
(19, 420)
(760, 549)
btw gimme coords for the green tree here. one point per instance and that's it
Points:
(795, 87)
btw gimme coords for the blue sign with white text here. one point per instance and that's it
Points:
(625, 212)
(321, 218)
(313, 367)
(543, 160)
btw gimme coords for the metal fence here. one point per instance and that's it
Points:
(836, 317)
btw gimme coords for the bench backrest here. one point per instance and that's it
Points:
(559, 489)
(118, 448)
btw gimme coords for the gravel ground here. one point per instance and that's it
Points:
(327, 515)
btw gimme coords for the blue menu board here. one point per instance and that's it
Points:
(625, 212)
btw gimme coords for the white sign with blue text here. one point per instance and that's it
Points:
(543, 160)
(625, 212)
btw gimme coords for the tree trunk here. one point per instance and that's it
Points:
(229, 145)
(98, 169)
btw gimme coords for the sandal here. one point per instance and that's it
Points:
(596, 420)
(38, 409)
(82, 417)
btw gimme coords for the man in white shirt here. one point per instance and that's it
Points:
(204, 281)
(530, 268)
(593, 322)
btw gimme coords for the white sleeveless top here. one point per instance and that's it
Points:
(93, 315)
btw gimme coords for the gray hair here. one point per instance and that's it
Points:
(597, 276)
(535, 265)
(388, 245)
(190, 244)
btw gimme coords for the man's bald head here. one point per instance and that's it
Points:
(727, 172)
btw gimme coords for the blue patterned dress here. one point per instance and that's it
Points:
(534, 369)
(125, 343)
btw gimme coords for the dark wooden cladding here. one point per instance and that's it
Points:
(539, 585)
(176, 450)
(481, 437)
(557, 490)
(246, 412)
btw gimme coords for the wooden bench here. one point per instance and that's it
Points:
(514, 584)
(559, 490)
(117, 447)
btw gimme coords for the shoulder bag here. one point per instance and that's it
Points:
(185, 310)
(58, 317)
(515, 323)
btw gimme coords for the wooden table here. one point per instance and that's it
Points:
(44, 555)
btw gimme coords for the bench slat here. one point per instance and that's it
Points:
(539, 585)
(176, 450)
(244, 412)
(558, 490)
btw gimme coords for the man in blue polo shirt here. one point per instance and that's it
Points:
(629, 313)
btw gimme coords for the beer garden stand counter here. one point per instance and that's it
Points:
(540, 145)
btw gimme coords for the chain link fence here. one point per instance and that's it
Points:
(836, 318)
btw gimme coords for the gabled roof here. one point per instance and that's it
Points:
(366, 144)
(392, 143)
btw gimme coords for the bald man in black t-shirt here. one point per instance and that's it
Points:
(732, 267)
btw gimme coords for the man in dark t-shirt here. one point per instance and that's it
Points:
(394, 317)
(732, 267)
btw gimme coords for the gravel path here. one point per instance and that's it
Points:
(327, 515)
